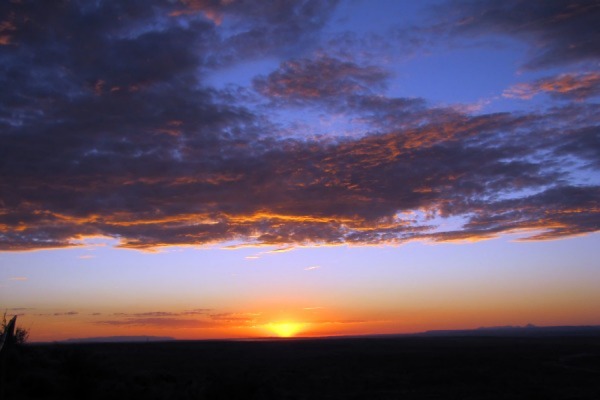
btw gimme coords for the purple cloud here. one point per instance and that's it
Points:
(109, 128)
(557, 32)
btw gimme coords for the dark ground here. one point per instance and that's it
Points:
(372, 368)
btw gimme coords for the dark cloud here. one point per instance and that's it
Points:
(154, 314)
(97, 141)
(558, 31)
(557, 212)
(281, 27)
(65, 49)
(178, 319)
(57, 314)
(584, 142)
(158, 314)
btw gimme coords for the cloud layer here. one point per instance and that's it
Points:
(557, 32)
(108, 128)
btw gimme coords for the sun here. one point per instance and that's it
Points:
(285, 329)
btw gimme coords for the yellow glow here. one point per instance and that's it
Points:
(266, 215)
(285, 329)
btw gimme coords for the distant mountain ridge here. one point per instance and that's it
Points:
(509, 330)
(493, 331)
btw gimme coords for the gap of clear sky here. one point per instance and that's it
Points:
(228, 168)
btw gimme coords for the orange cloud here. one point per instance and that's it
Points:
(6, 28)
(568, 86)
(308, 80)
(210, 9)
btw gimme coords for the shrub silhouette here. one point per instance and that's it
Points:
(21, 334)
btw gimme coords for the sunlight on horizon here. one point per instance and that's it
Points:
(285, 329)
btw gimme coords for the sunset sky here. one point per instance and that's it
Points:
(247, 168)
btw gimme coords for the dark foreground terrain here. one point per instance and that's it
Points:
(460, 367)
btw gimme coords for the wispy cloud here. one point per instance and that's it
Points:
(197, 311)
(203, 319)
(154, 314)
(236, 318)
(564, 86)
(312, 268)
(156, 322)
(278, 250)
(160, 314)
(18, 278)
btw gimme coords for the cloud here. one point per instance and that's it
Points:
(283, 27)
(154, 314)
(197, 311)
(109, 129)
(557, 32)
(159, 314)
(156, 322)
(564, 86)
(178, 319)
(278, 250)
(284, 249)
(238, 319)
(68, 313)
(18, 278)
(303, 193)
(312, 268)
(320, 80)
(556, 212)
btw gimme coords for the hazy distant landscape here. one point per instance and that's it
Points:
(553, 365)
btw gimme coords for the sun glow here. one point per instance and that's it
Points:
(285, 329)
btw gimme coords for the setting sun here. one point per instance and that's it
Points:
(285, 329)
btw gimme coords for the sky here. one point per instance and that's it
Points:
(239, 168)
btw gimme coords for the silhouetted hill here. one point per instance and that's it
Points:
(528, 330)
(508, 331)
